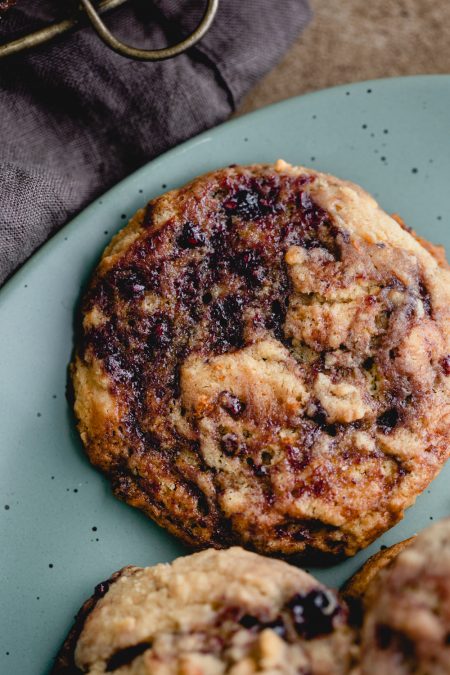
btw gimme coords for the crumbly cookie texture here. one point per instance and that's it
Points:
(265, 360)
(212, 613)
(355, 589)
(406, 627)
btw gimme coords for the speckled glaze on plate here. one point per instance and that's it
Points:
(61, 529)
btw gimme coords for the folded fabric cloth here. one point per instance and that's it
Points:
(75, 117)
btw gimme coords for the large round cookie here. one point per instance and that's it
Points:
(210, 613)
(406, 627)
(264, 360)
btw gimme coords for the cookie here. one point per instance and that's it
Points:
(264, 360)
(355, 588)
(210, 613)
(406, 624)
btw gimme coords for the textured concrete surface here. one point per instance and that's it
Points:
(353, 40)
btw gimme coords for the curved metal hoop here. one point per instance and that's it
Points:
(150, 54)
(43, 35)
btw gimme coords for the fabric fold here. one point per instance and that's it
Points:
(75, 117)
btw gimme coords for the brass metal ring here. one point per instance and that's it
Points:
(49, 32)
(150, 54)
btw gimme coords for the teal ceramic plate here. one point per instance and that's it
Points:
(61, 529)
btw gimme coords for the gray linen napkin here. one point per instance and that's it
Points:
(75, 118)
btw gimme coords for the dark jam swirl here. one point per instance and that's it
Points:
(211, 281)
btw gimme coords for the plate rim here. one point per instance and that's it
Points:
(46, 247)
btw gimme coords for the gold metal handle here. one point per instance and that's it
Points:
(49, 32)
(150, 54)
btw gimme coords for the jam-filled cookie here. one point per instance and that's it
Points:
(406, 606)
(210, 613)
(264, 359)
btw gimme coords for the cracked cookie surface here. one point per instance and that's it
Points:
(265, 360)
(210, 613)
